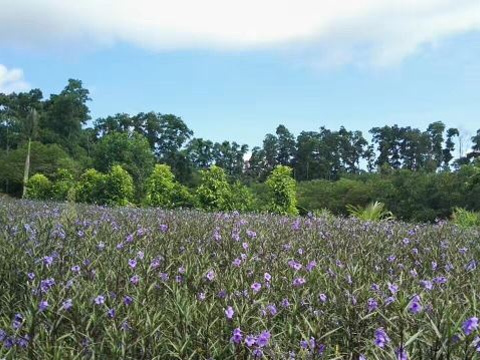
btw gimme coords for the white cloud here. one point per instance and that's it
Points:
(12, 80)
(339, 31)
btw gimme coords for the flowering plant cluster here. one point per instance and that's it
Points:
(94, 282)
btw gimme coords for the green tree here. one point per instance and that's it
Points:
(214, 193)
(38, 187)
(64, 115)
(163, 191)
(91, 188)
(282, 188)
(119, 189)
(131, 151)
(63, 187)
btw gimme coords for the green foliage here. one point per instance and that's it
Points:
(214, 192)
(282, 189)
(39, 187)
(63, 186)
(464, 218)
(91, 187)
(163, 191)
(375, 211)
(241, 198)
(119, 189)
(131, 151)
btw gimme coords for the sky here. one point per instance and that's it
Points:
(234, 70)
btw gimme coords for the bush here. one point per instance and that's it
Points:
(91, 187)
(39, 187)
(160, 187)
(241, 198)
(64, 185)
(214, 193)
(282, 189)
(372, 212)
(119, 187)
(464, 218)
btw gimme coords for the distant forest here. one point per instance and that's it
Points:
(57, 130)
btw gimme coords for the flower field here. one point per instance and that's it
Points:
(85, 282)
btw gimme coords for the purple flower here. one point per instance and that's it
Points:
(201, 296)
(401, 354)
(237, 262)
(470, 325)
(43, 305)
(67, 304)
(181, 270)
(127, 300)
(263, 339)
(323, 298)
(393, 288)
(389, 300)
(267, 277)
(299, 281)
(48, 260)
(132, 263)
(210, 275)
(99, 300)
(372, 304)
(257, 353)
(111, 313)
(250, 340)
(135, 279)
(381, 338)
(17, 321)
(256, 287)
(75, 269)
(415, 305)
(229, 313)
(311, 265)
(237, 336)
(31, 276)
(426, 284)
(285, 303)
(294, 265)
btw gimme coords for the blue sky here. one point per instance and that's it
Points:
(237, 87)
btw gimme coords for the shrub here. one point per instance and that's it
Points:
(464, 218)
(119, 188)
(282, 189)
(160, 187)
(372, 212)
(91, 187)
(39, 187)
(64, 185)
(241, 198)
(214, 193)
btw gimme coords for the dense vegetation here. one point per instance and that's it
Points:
(90, 282)
(114, 160)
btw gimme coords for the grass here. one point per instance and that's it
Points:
(153, 284)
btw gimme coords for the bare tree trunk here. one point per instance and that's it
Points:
(27, 169)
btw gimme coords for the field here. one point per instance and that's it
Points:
(85, 282)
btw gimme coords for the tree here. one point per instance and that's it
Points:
(286, 146)
(91, 187)
(270, 149)
(282, 188)
(64, 115)
(163, 191)
(214, 194)
(119, 189)
(38, 187)
(131, 151)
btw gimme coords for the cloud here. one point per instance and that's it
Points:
(338, 31)
(12, 80)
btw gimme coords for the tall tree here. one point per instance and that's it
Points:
(286, 146)
(65, 114)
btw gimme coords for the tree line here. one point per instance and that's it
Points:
(42, 135)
